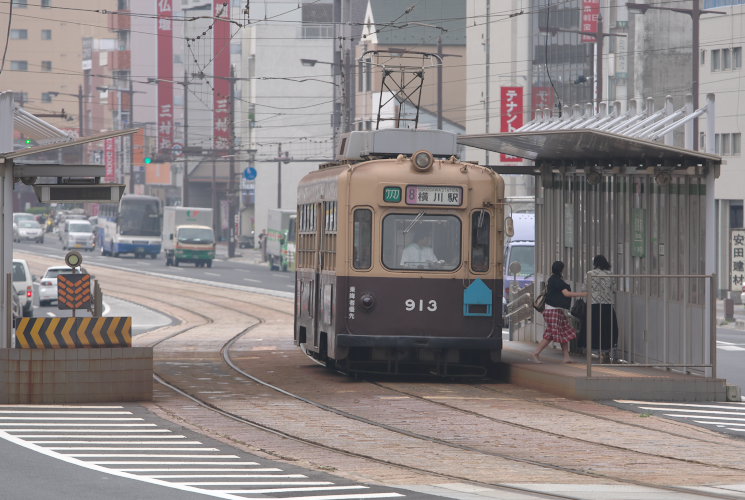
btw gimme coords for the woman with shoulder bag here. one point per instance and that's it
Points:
(604, 320)
(558, 300)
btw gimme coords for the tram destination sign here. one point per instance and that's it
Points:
(434, 195)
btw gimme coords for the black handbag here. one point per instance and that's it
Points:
(579, 309)
(539, 304)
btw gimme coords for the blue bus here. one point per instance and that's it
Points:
(132, 227)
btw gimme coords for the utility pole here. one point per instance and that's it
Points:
(439, 83)
(279, 175)
(232, 234)
(185, 179)
(81, 130)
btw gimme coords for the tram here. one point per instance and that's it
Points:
(399, 258)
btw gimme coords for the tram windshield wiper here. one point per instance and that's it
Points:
(416, 219)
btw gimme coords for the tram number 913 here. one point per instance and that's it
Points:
(420, 305)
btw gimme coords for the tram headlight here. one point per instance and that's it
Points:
(367, 301)
(422, 160)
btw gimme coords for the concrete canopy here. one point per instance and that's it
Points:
(586, 147)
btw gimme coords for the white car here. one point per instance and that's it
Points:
(28, 230)
(23, 281)
(48, 283)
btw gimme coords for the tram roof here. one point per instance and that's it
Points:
(586, 147)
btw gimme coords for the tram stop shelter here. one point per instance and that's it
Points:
(648, 207)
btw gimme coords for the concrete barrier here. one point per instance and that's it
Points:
(85, 375)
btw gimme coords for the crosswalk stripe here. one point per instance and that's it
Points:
(121, 443)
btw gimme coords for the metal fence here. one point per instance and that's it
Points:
(664, 321)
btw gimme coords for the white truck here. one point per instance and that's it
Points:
(188, 236)
(280, 239)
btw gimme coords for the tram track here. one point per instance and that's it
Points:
(182, 303)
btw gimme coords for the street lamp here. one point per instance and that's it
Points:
(79, 95)
(336, 111)
(598, 36)
(695, 13)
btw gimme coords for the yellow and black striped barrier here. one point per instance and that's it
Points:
(60, 333)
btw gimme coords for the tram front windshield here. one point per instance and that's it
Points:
(421, 241)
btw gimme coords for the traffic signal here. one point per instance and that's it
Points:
(148, 160)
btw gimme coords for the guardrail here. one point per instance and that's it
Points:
(664, 320)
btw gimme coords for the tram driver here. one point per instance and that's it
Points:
(419, 252)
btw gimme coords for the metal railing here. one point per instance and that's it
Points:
(664, 321)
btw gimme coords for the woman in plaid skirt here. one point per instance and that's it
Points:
(558, 300)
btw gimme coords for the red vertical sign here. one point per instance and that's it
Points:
(109, 159)
(165, 76)
(221, 97)
(590, 14)
(512, 115)
(542, 98)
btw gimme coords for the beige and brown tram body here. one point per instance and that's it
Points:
(366, 304)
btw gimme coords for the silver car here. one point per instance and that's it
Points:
(28, 230)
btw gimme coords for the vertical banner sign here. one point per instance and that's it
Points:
(590, 14)
(165, 76)
(543, 98)
(221, 97)
(737, 259)
(109, 159)
(512, 115)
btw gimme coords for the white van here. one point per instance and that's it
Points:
(77, 233)
(23, 282)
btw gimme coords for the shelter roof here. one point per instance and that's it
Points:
(582, 147)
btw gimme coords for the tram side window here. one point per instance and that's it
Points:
(362, 251)
(421, 241)
(480, 223)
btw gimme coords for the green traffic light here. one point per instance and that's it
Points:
(28, 141)
(148, 160)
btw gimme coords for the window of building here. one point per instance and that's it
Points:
(46, 97)
(46, 65)
(19, 34)
(715, 54)
(318, 20)
(702, 59)
(46, 34)
(46, 3)
(726, 59)
(728, 144)
(725, 149)
(19, 65)
(21, 4)
(122, 4)
(20, 97)
(736, 57)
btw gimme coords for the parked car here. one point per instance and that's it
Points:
(23, 281)
(77, 233)
(246, 240)
(48, 283)
(28, 230)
